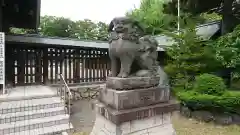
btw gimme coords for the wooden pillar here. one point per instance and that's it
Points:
(45, 65)
(1, 15)
(21, 66)
(9, 72)
(38, 66)
(77, 66)
(4, 23)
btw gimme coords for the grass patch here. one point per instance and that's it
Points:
(186, 126)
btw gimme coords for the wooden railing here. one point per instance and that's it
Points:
(28, 65)
(65, 93)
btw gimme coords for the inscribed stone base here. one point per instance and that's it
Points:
(120, 116)
(155, 125)
(134, 98)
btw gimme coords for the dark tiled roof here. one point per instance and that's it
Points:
(205, 31)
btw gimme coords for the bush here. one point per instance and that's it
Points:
(229, 102)
(209, 84)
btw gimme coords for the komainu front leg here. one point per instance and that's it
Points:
(114, 67)
(126, 63)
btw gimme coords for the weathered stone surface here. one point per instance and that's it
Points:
(134, 98)
(223, 119)
(156, 125)
(132, 82)
(136, 101)
(120, 116)
(203, 115)
(185, 111)
(131, 48)
(236, 119)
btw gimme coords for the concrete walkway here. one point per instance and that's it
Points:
(28, 92)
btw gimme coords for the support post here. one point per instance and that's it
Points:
(2, 61)
(1, 16)
(45, 66)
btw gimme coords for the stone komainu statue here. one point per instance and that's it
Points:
(131, 29)
(131, 53)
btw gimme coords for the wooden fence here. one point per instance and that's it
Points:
(26, 64)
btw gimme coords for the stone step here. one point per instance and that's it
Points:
(33, 114)
(4, 98)
(29, 105)
(53, 130)
(32, 124)
(28, 92)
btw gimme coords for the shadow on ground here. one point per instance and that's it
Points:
(83, 116)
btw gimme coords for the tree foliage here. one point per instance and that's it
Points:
(190, 56)
(194, 7)
(209, 84)
(208, 17)
(63, 27)
(157, 15)
(150, 14)
(86, 29)
(56, 26)
(227, 49)
(228, 10)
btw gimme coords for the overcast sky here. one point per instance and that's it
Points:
(96, 10)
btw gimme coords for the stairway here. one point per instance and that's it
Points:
(38, 115)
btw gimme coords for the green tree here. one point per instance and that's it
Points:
(227, 9)
(19, 31)
(190, 56)
(56, 26)
(63, 27)
(86, 29)
(208, 17)
(155, 16)
(102, 33)
(150, 14)
(227, 49)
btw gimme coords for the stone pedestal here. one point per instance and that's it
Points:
(134, 98)
(132, 82)
(157, 125)
(141, 111)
